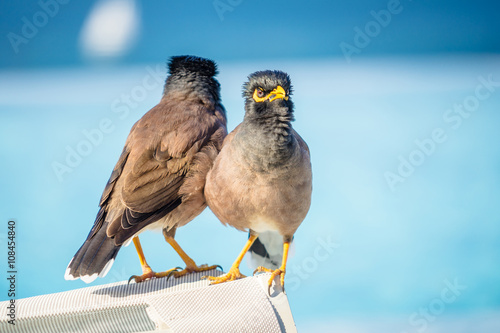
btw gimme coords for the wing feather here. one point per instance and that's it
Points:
(156, 166)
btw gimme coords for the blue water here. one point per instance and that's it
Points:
(392, 250)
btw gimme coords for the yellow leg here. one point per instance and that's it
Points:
(190, 264)
(234, 272)
(147, 272)
(280, 271)
(144, 265)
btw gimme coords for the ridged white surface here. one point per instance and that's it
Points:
(186, 304)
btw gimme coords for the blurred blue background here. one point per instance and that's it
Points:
(398, 101)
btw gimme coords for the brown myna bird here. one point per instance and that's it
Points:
(159, 179)
(261, 181)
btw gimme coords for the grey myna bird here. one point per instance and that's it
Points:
(159, 179)
(261, 180)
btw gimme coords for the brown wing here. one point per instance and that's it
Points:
(155, 178)
(103, 203)
(161, 150)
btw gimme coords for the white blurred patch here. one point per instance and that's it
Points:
(273, 243)
(67, 275)
(110, 29)
(127, 242)
(89, 278)
(106, 268)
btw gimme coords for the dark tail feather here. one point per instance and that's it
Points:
(94, 258)
(267, 251)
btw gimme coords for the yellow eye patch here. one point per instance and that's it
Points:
(256, 93)
(276, 93)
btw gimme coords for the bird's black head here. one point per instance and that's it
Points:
(193, 74)
(267, 95)
(192, 64)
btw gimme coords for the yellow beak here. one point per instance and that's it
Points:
(279, 92)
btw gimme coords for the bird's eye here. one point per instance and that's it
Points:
(260, 93)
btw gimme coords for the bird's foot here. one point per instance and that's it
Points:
(190, 269)
(149, 274)
(233, 274)
(276, 272)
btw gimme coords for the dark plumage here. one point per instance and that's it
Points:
(261, 181)
(159, 179)
(192, 64)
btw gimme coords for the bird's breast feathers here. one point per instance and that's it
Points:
(257, 201)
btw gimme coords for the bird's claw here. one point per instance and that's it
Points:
(233, 274)
(261, 269)
(274, 273)
(270, 284)
(133, 277)
(172, 271)
(191, 269)
(141, 278)
(149, 274)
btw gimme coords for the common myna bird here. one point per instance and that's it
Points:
(261, 180)
(159, 179)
